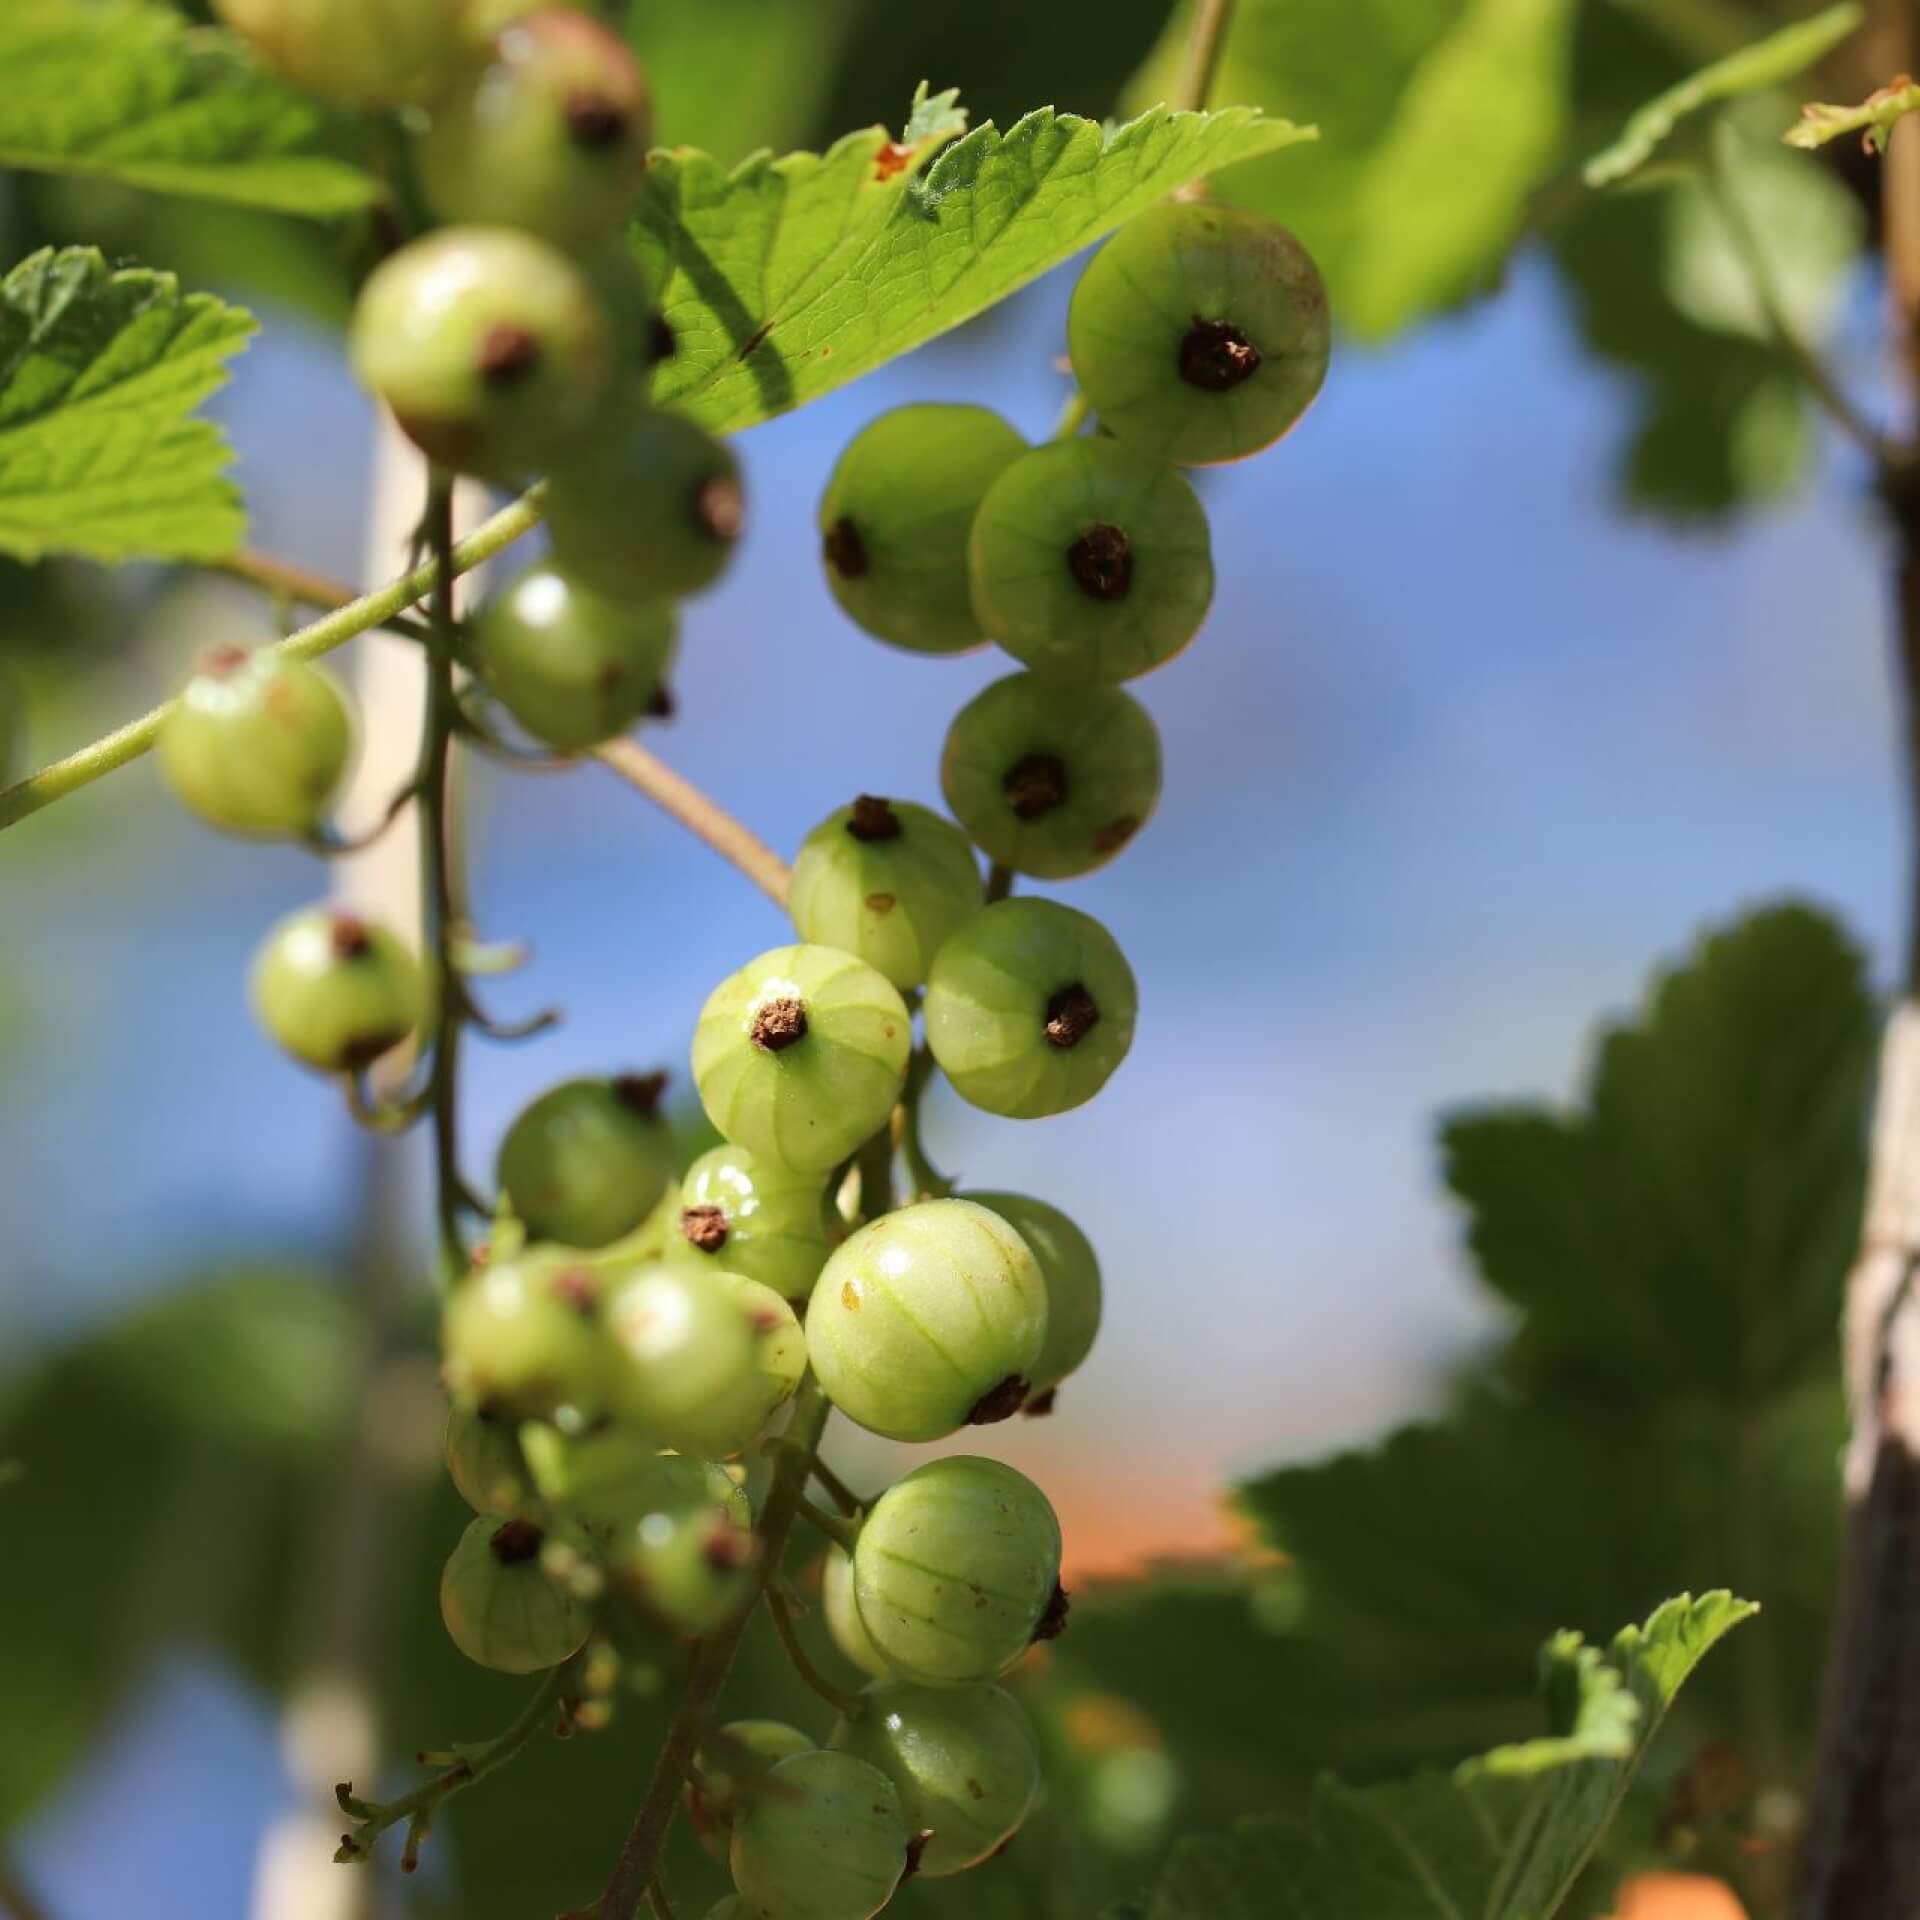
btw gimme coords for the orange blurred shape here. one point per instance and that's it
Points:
(1677, 1896)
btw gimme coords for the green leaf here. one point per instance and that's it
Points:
(784, 279)
(1501, 1837)
(100, 371)
(128, 90)
(1771, 62)
(1873, 119)
(1439, 117)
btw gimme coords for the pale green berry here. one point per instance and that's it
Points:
(483, 1461)
(735, 1415)
(1030, 1007)
(963, 1758)
(957, 1571)
(845, 1628)
(1071, 1271)
(727, 1769)
(610, 1480)
(927, 1319)
(685, 1345)
(336, 991)
(502, 1609)
(522, 1337)
(801, 1055)
(886, 880)
(742, 1213)
(588, 1160)
(686, 1567)
(355, 53)
(257, 743)
(824, 1840)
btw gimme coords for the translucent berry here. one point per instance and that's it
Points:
(824, 1840)
(800, 1055)
(573, 667)
(735, 1415)
(926, 1319)
(1071, 1271)
(1200, 332)
(354, 53)
(1030, 1008)
(728, 1768)
(588, 1160)
(886, 880)
(257, 743)
(522, 1337)
(611, 1480)
(501, 1607)
(964, 1761)
(685, 1344)
(742, 1213)
(955, 1571)
(483, 1461)
(685, 1566)
(549, 132)
(1051, 780)
(336, 991)
(489, 346)
(895, 517)
(1091, 562)
(845, 1628)
(649, 509)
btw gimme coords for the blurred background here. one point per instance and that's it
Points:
(1553, 635)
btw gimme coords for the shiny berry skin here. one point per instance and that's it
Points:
(886, 880)
(800, 1055)
(734, 1416)
(489, 345)
(649, 509)
(964, 1760)
(824, 1840)
(955, 1570)
(501, 1607)
(1091, 563)
(257, 743)
(354, 53)
(1200, 332)
(1071, 1271)
(685, 1566)
(895, 517)
(549, 133)
(336, 991)
(483, 1461)
(1051, 781)
(523, 1338)
(588, 1160)
(685, 1344)
(928, 1318)
(845, 1628)
(1030, 1008)
(572, 666)
(729, 1765)
(741, 1213)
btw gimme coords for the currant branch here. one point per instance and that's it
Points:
(781, 1613)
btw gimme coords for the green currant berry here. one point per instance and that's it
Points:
(885, 880)
(523, 1338)
(1091, 563)
(588, 1160)
(685, 1344)
(956, 1571)
(929, 1318)
(573, 667)
(353, 53)
(649, 509)
(1050, 780)
(609, 1481)
(824, 1840)
(800, 1055)
(727, 1768)
(742, 1213)
(257, 743)
(1200, 332)
(687, 1566)
(895, 517)
(502, 1609)
(489, 346)
(963, 1758)
(733, 1418)
(845, 1628)
(550, 133)
(1071, 1270)
(1029, 1008)
(336, 991)
(483, 1461)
